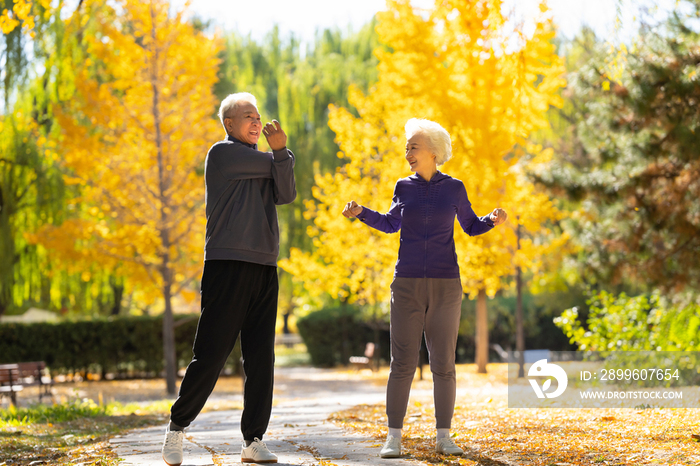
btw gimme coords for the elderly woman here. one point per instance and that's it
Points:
(426, 294)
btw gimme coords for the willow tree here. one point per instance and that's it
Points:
(31, 189)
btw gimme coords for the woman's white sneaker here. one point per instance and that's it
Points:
(172, 447)
(447, 446)
(257, 452)
(392, 448)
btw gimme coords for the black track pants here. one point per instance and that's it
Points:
(236, 297)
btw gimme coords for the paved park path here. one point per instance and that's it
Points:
(299, 432)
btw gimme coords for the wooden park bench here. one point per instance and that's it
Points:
(360, 362)
(9, 381)
(14, 377)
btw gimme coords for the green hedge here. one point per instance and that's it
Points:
(117, 345)
(333, 335)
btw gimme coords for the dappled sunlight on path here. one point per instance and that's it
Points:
(299, 432)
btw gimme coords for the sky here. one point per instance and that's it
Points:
(304, 17)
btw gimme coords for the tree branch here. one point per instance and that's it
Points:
(186, 282)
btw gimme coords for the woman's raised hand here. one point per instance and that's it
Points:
(498, 216)
(352, 209)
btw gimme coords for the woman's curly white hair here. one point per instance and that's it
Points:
(439, 141)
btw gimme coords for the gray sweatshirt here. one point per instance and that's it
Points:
(243, 186)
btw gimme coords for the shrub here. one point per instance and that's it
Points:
(333, 335)
(116, 345)
(639, 323)
(644, 324)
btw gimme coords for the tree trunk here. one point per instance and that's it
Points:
(519, 328)
(482, 333)
(422, 357)
(377, 344)
(169, 335)
(285, 321)
(164, 226)
(45, 299)
(7, 255)
(117, 286)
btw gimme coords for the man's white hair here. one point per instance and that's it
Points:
(232, 101)
(439, 142)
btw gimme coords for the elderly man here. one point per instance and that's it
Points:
(239, 283)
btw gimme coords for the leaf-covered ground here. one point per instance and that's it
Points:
(494, 435)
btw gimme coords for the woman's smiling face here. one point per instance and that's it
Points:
(419, 156)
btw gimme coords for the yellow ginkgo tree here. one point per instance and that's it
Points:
(134, 139)
(466, 66)
(22, 13)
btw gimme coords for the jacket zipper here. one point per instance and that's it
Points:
(427, 210)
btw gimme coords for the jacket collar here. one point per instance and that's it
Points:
(252, 146)
(439, 176)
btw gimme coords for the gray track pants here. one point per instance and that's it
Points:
(432, 305)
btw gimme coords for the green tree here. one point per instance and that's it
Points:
(31, 189)
(29, 185)
(631, 167)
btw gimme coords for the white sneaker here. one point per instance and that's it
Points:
(257, 452)
(392, 448)
(447, 446)
(172, 447)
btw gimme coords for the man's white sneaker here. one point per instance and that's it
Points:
(392, 448)
(257, 452)
(172, 447)
(447, 446)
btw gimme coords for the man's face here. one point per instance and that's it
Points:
(244, 124)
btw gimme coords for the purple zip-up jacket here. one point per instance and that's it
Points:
(425, 213)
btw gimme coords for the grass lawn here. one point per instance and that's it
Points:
(78, 427)
(70, 433)
(494, 435)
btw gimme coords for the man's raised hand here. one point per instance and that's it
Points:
(276, 138)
